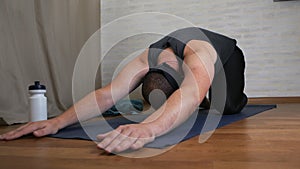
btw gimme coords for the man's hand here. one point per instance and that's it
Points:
(133, 136)
(39, 129)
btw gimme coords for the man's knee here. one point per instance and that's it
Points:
(234, 108)
(230, 110)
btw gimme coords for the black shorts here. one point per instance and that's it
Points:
(236, 99)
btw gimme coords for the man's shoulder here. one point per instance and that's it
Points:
(200, 47)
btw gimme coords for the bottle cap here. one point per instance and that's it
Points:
(37, 86)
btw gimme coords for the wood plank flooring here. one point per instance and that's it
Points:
(267, 140)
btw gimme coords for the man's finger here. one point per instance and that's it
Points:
(102, 136)
(138, 144)
(11, 133)
(124, 135)
(44, 131)
(107, 140)
(126, 144)
(24, 130)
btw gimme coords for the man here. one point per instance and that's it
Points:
(176, 72)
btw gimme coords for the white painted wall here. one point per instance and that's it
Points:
(267, 31)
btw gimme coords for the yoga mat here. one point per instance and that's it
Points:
(192, 127)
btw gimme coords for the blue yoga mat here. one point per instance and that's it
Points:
(200, 122)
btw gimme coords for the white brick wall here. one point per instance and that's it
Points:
(267, 31)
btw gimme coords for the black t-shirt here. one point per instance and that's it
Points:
(177, 41)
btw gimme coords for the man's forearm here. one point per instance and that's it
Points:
(174, 112)
(90, 106)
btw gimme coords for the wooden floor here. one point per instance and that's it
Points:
(268, 140)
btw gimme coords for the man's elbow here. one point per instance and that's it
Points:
(195, 98)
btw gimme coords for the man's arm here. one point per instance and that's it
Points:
(127, 80)
(198, 69)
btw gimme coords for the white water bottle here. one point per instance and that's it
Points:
(38, 102)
